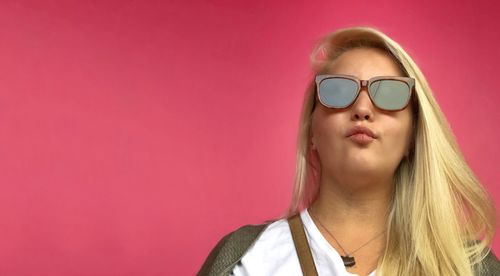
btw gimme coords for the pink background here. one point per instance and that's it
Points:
(135, 134)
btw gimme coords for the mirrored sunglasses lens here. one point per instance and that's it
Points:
(337, 92)
(390, 94)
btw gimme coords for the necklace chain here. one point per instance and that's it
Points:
(331, 235)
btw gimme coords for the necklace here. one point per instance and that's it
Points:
(348, 259)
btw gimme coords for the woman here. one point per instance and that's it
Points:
(381, 186)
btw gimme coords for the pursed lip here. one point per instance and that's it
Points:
(361, 130)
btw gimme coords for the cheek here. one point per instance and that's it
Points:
(399, 134)
(326, 129)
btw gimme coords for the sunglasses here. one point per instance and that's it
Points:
(386, 92)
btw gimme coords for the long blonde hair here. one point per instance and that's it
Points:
(441, 221)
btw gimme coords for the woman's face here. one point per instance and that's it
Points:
(344, 156)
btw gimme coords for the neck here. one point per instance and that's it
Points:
(347, 206)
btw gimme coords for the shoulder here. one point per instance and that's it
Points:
(231, 248)
(490, 264)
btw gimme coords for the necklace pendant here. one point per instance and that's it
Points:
(348, 260)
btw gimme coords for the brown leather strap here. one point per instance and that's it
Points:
(302, 246)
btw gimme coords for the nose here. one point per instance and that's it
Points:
(362, 108)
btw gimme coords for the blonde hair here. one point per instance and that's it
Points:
(441, 220)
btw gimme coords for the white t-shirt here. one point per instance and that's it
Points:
(274, 252)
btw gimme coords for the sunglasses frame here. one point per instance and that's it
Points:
(410, 82)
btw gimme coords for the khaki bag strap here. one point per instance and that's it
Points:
(302, 246)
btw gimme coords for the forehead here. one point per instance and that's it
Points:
(365, 63)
